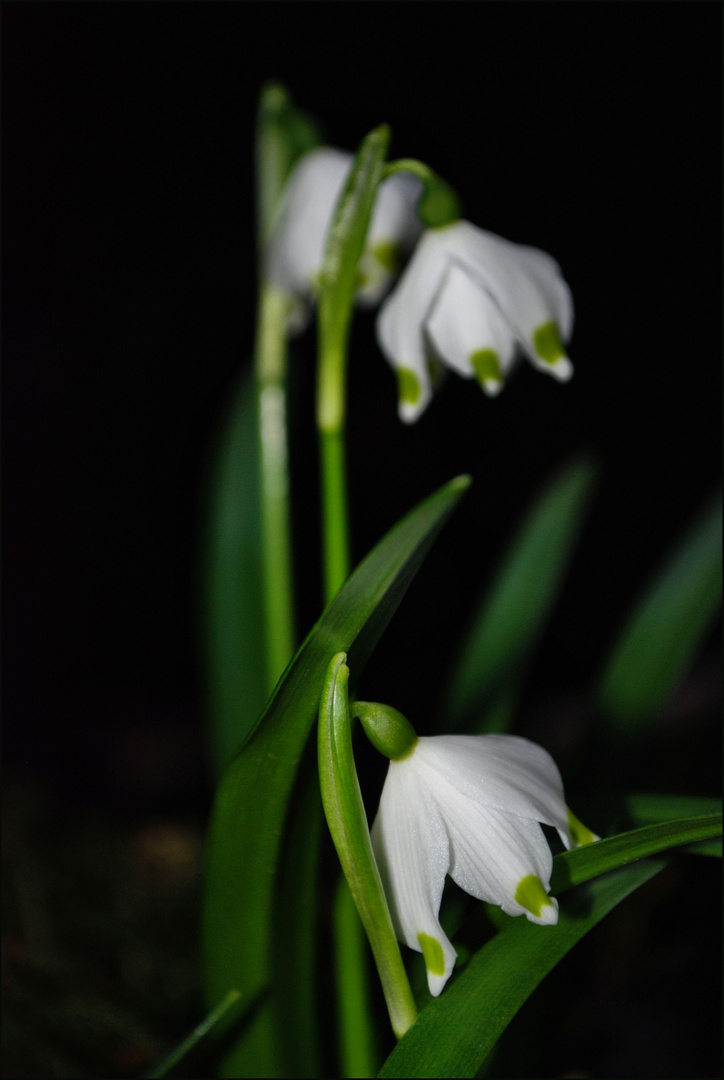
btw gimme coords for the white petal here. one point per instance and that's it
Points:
(530, 291)
(296, 250)
(402, 317)
(492, 853)
(412, 853)
(501, 772)
(552, 285)
(466, 326)
(394, 228)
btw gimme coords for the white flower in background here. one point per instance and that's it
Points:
(475, 302)
(469, 806)
(296, 250)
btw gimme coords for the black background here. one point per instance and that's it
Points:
(589, 130)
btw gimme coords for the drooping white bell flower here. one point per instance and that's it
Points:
(296, 250)
(470, 806)
(474, 302)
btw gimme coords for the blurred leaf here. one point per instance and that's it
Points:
(647, 809)
(202, 1031)
(248, 819)
(665, 630)
(233, 611)
(454, 1034)
(514, 610)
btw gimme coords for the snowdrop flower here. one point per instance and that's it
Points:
(474, 302)
(470, 806)
(296, 251)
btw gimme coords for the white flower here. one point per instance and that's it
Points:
(296, 250)
(475, 302)
(468, 806)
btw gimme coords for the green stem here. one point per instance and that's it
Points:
(271, 369)
(356, 1033)
(347, 822)
(438, 204)
(335, 526)
(345, 244)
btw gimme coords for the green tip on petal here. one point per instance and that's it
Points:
(580, 834)
(547, 343)
(486, 365)
(432, 953)
(387, 254)
(531, 895)
(408, 386)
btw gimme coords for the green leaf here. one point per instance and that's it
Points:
(456, 1031)
(449, 1038)
(232, 572)
(248, 818)
(665, 630)
(592, 860)
(514, 610)
(217, 1017)
(648, 809)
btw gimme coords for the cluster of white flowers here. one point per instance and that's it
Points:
(468, 300)
(468, 806)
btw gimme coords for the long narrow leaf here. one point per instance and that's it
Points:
(660, 640)
(649, 809)
(582, 864)
(515, 608)
(456, 1032)
(249, 813)
(232, 576)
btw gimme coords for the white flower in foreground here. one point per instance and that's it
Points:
(469, 806)
(475, 302)
(296, 250)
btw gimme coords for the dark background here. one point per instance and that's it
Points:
(589, 130)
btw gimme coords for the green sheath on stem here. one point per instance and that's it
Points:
(347, 822)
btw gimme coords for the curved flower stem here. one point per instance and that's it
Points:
(347, 822)
(438, 204)
(345, 244)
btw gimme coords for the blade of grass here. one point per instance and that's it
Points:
(666, 628)
(515, 608)
(233, 607)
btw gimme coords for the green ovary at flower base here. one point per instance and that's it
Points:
(296, 251)
(475, 303)
(470, 806)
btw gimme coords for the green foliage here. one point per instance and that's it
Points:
(245, 838)
(233, 610)
(667, 627)
(455, 1032)
(514, 609)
